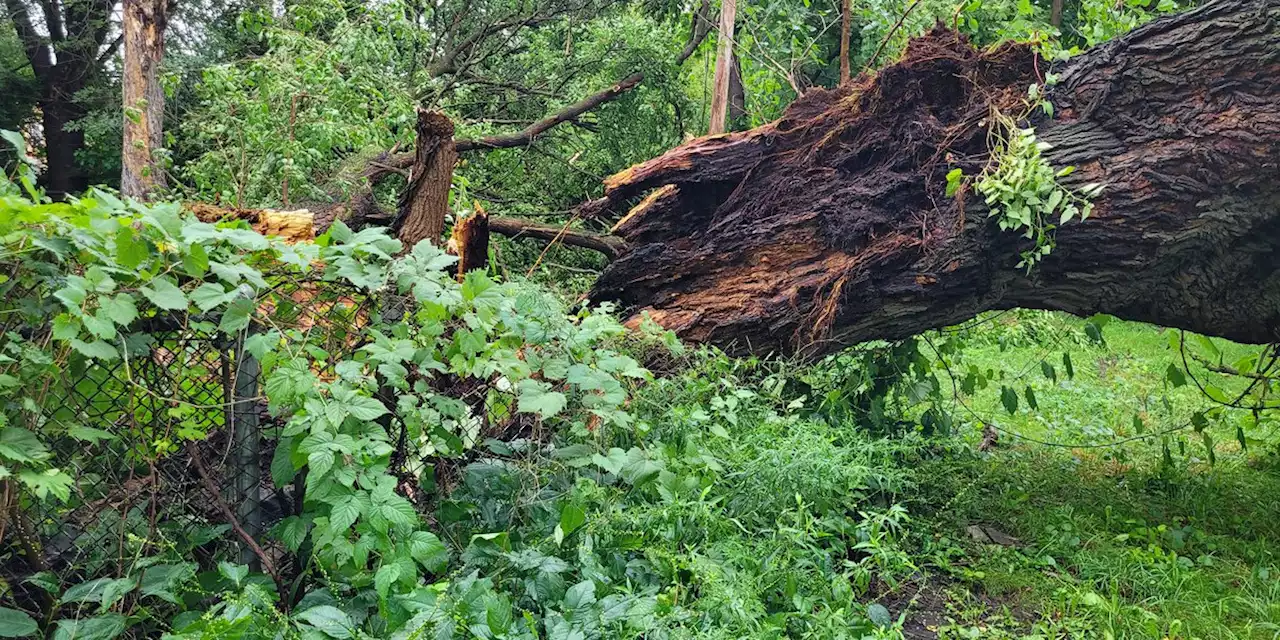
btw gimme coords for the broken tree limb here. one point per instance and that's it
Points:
(392, 163)
(568, 114)
(609, 245)
(470, 242)
(831, 227)
(425, 200)
(699, 27)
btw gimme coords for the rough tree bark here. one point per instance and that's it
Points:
(425, 200)
(143, 31)
(830, 226)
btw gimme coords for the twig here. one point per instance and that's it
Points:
(231, 519)
(889, 36)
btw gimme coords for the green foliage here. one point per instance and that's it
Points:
(110, 265)
(1023, 192)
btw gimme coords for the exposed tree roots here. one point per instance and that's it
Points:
(831, 226)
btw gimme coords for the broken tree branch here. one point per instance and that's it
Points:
(572, 112)
(211, 488)
(516, 228)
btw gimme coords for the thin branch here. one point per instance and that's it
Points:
(889, 36)
(698, 30)
(516, 228)
(111, 49)
(571, 112)
(212, 488)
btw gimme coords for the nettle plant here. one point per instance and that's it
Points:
(110, 265)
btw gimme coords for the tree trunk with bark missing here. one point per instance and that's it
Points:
(830, 226)
(724, 62)
(143, 30)
(425, 200)
(470, 242)
(846, 23)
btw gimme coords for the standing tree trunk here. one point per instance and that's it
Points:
(425, 201)
(832, 226)
(846, 24)
(63, 174)
(1055, 17)
(143, 27)
(65, 56)
(737, 97)
(724, 62)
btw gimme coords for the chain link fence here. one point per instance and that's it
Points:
(136, 434)
(170, 447)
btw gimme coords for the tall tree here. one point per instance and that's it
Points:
(66, 50)
(846, 25)
(143, 31)
(724, 67)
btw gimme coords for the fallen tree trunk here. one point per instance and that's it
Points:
(831, 226)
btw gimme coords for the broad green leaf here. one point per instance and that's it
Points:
(48, 482)
(130, 249)
(429, 551)
(1009, 398)
(580, 597)
(164, 580)
(536, 396)
(97, 349)
(1216, 394)
(292, 531)
(120, 308)
(236, 573)
(386, 576)
(102, 590)
(209, 295)
(571, 518)
(1175, 376)
(1031, 399)
(879, 615)
(103, 627)
(196, 261)
(1198, 421)
(365, 408)
(89, 434)
(236, 316)
(16, 624)
(165, 295)
(329, 620)
(344, 514)
(19, 445)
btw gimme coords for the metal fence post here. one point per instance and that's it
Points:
(246, 470)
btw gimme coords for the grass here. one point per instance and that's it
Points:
(761, 514)
(807, 527)
(1114, 541)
